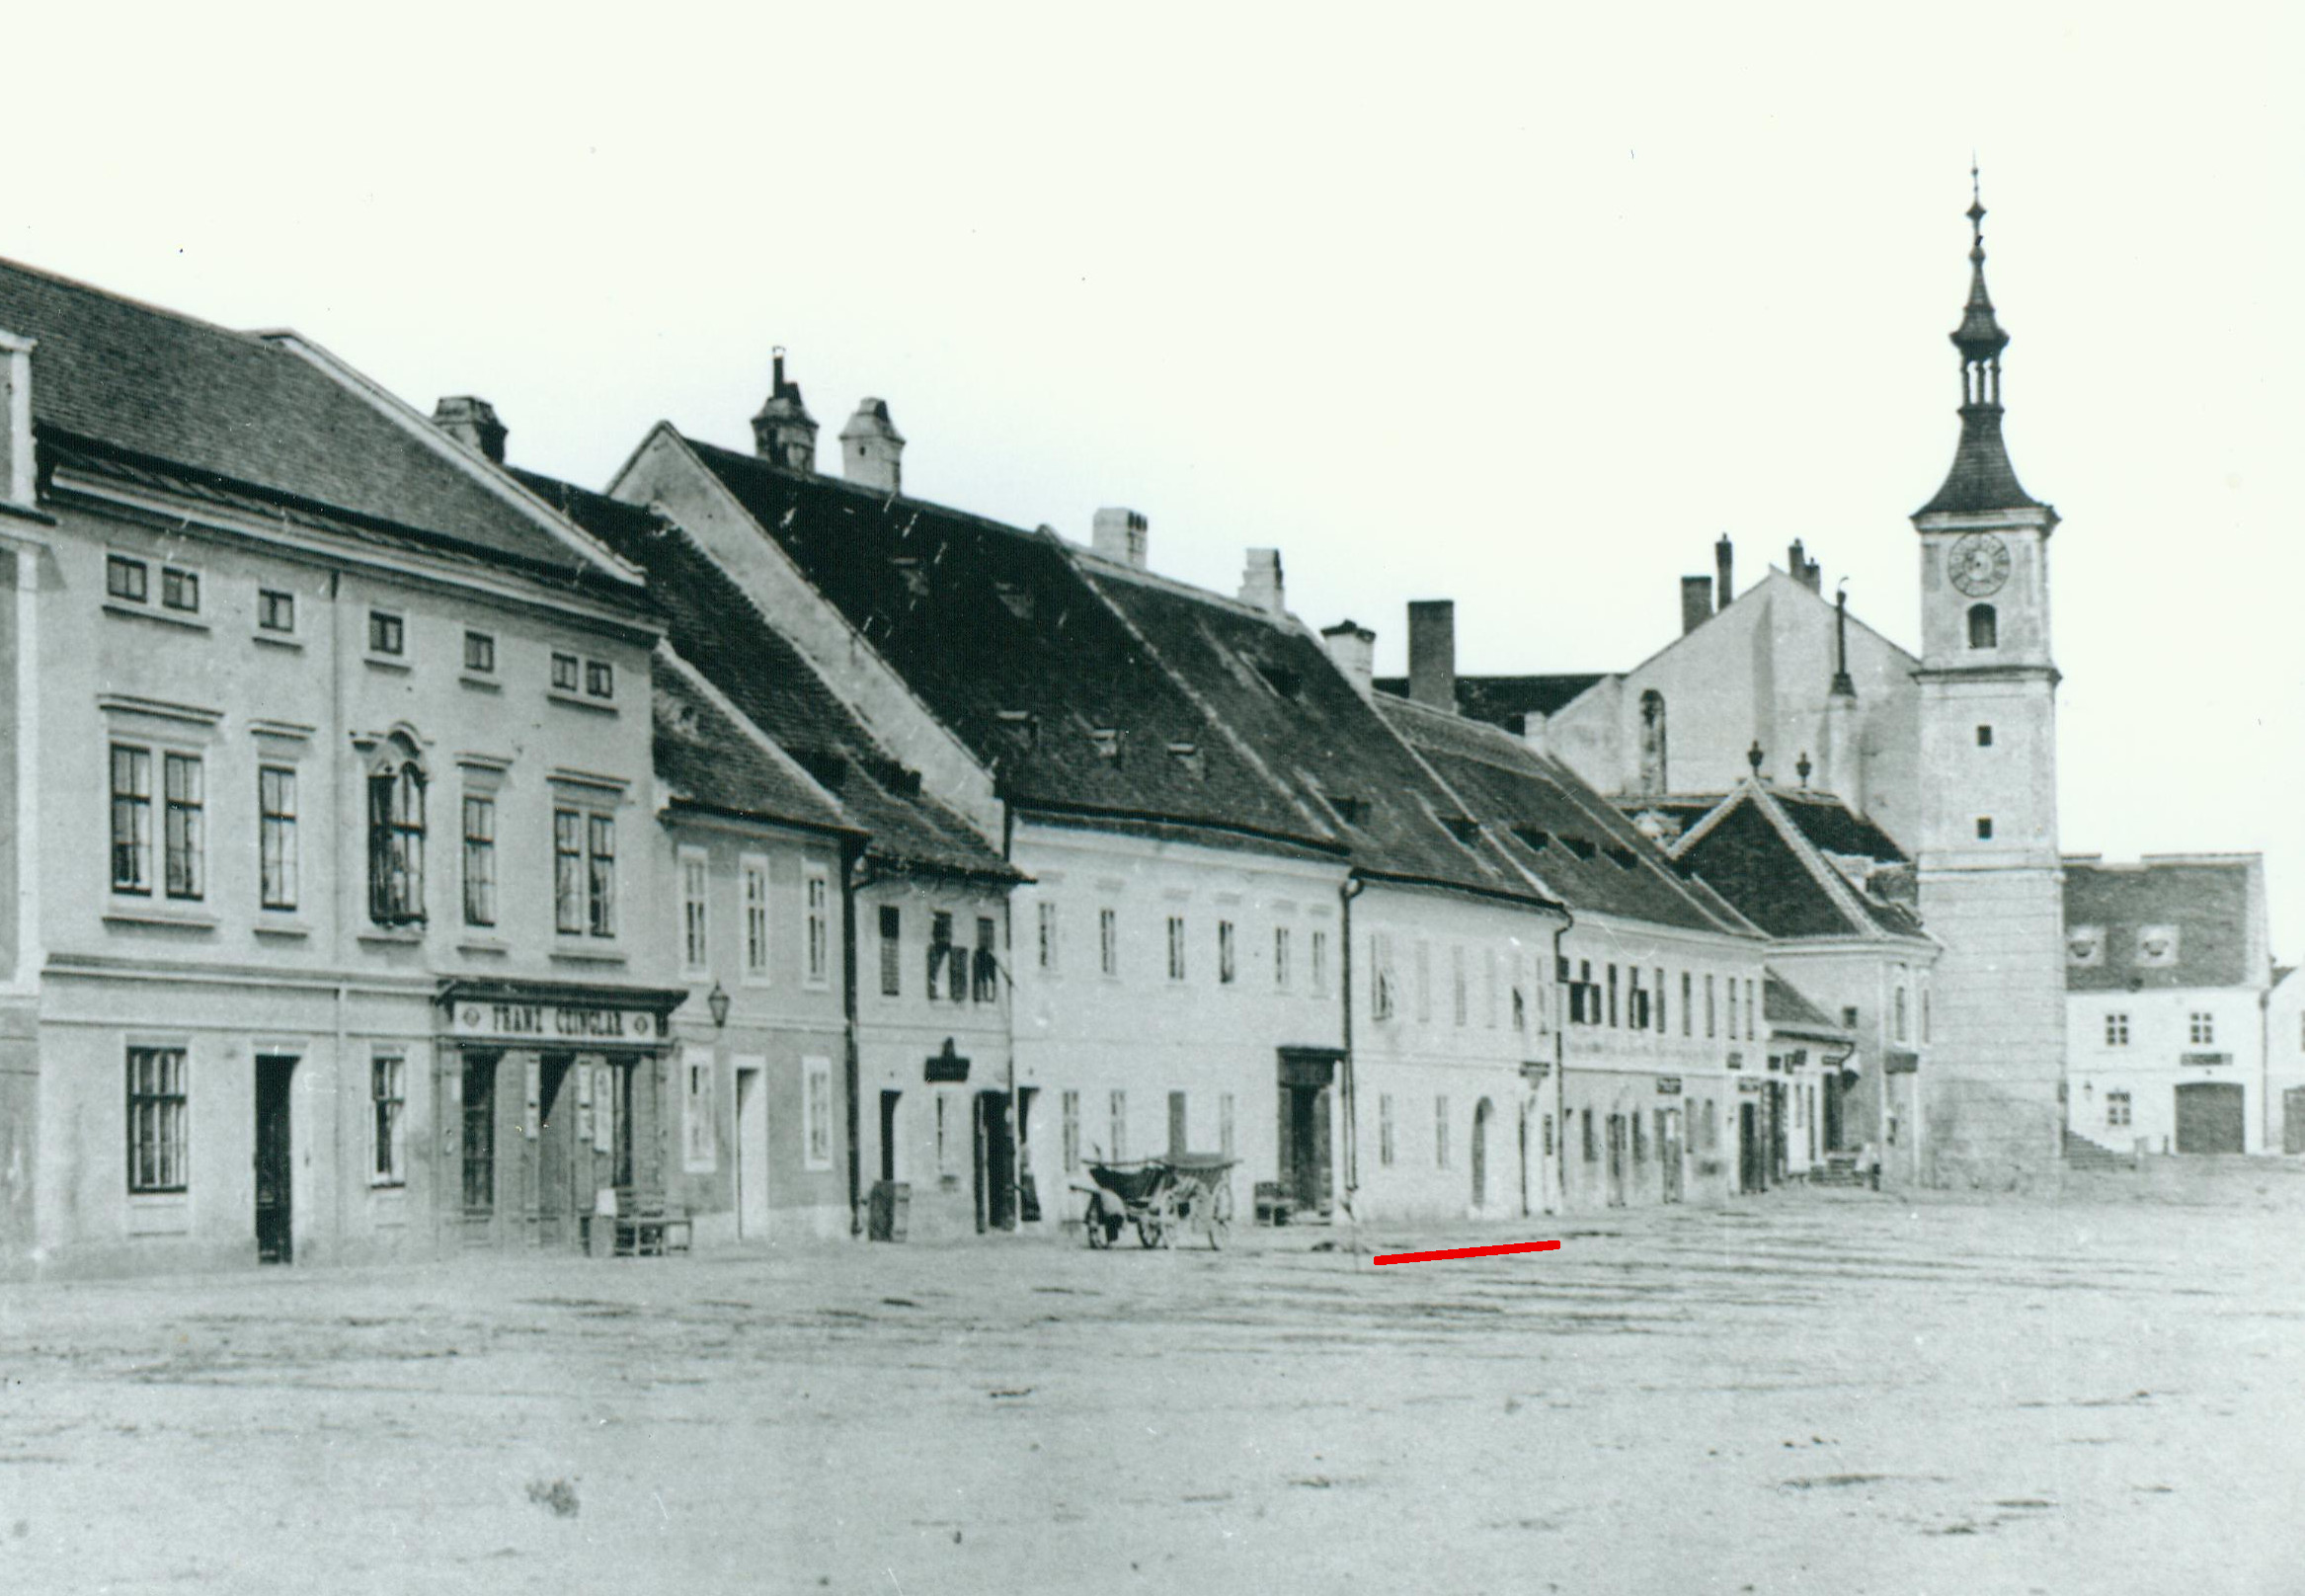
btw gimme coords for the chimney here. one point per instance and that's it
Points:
(1120, 536)
(472, 423)
(784, 433)
(1260, 581)
(1724, 565)
(1802, 569)
(1696, 602)
(872, 451)
(19, 481)
(1353, 647)
(1432, 653)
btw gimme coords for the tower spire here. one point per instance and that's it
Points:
(1982, 477)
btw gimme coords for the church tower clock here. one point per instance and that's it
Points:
(1991, 887)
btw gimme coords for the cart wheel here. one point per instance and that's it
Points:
(1092, 1226)
(1149, 1233)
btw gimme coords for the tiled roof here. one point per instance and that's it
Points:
(1552, 826)
(1755, 852)
(1830, 823)
(1785, 1008)
(253, 412)
(1004, 639)
(1506, 701)
(716, 629)
(2207, 902)
(703, 758)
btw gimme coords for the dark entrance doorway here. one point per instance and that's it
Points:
(2293, 1120)
(1669, 1151)
(1616, 1131)
(996, 1164)
(1305, 1076)
(888, 1134)
(477, 1163)
(558, 1164)
(1482, 1112)
(276, 1241)
(1752, 1152)
(1836, 1084)
(1778, 1165)
(2209, 1117)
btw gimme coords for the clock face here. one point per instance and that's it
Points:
(1978, 564)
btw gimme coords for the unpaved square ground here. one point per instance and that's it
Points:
(1810, 1391)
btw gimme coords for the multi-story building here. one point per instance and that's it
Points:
(2168, 978)
(335, 900)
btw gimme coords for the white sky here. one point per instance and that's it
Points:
(1518, 306)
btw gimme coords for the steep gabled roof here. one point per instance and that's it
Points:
(705, 759)
(264, 414)
(2209, 901)
(1790, 1013)
(1551, 826)
(1753, 850)
(716, 629)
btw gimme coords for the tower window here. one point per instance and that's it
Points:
(1984, 737)
(1984, 828)
(1984, 627)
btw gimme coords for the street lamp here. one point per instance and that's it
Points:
(717, 1001)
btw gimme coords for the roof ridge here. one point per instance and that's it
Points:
(256, 339)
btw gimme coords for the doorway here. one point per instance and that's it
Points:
(1029, 1197)
(553, 1221)
(888, 1134)
(995, 1153)
(2293, 1120)
(1616, 1133)
(1304, 1149)
(477, 1164)
(751, 1154)
(276, 1178)
(1752, 1152)
(1669, 1151)
(1482, 1112)
(2209, 1117)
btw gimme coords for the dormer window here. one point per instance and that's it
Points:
(1984, 627)
(1352, 811)
(1188, 754)
(1108, 742)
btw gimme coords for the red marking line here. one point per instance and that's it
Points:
(1468, 1252)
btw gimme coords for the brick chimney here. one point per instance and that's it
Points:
(1724, 565)
(872, 451)
(472, 423)
(1120, 535)
(784, 432)
(1432, 653)
(1353, 647)
(19, 481)
(1260, 581)
(1696, 602)
(1805, 570)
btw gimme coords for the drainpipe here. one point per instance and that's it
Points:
(1352, 888)
(856, 876)
(1560, 1068)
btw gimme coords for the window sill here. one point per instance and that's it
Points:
(495, 946)
(380, 662)
(573, 953)
(479, 683)
(392, 935)
(572, 700)
(166, 617)
(695, 978)
(279, 640)
(758, 983)
(282, 929)
(175, 919)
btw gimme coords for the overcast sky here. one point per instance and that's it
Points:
(1521, 306)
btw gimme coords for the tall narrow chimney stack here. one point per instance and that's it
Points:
(1121, 535)
(784, 433)
(473, 422)
(1432, 653)
(1696, 602)
(1724, 565)
(872, 451)
(1260, 581)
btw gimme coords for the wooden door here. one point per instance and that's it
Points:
(2209, 1117)
(476, 1146)
(275, 1162)
(1481, 1117)
(557, 1174)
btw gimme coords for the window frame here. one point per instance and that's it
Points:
(477, 860)
(817, 1112)
(891, 926)
(183, 826)
(1228, 954)
(276, 847)
(132, 805)
(167, 1150)
(601, 679)
(265, 611)
(754, 893)
(479, 652)
(118, 569)
(396, 842)
(1108, 942)
(1177, 967)
(815, 925)
(699, 1110)
(2116, 1028)
(575, 673)
(387, 1117)
(693, 867)
(387, 634)
(180, 590)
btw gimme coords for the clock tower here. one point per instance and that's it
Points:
(1991, 886)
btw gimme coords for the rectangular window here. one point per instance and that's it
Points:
(479, 860)
(1441, 1133)
(695, 903)
(1108, 942)
(1226, 959)
(131, 819)
(816, 895)
(1752, 1010)
(1384, 1130)
(396, 846)
(892, 951)
(275, 611)
(816, 1111)
(1071, 1106)
(1320, 964)
(1519, 991)
(180, 590)
(1489, 964)
(1176, 947)
(1984, 737)
(1687, 1006)
(2202, 1028)
(1117, 1116)
(480, 653)
(1984, 828)
(276, 836)
(387, 1105)
(1901, 1021)
(599, 680)
(1048, 937)
(1424, 982)
(1225, 1122)
(1459, 1001)
(600, 874)
(2116, 1108)
(386, 633)
(940, 955)
(1732, 1008)
(1612, 996)
(1381, 993)
(1591, 1147)
(1281, 957)
(158, 1120)
(1708, 1009)
(1179, 1124)
(564, 673)
(986, 972)
(699, 1152)
(753, 870)
(1660, 1002)
(568, 872)
(187, 825)
(125, 578)
(1636, 1002)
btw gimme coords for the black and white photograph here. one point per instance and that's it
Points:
(1275, 799)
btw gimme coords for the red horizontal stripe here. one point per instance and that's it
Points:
(1468, 1252)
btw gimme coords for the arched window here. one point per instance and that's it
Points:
(396, 836)
(1652, 741)
(1984, 627)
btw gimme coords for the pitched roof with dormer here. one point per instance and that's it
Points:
(1758, 848)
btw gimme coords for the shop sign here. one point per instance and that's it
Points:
(1533, 1073)
(1749, 1087)
(948, 1065)
(2210, 1059)
(571, 1023)
(1899, 1063)
(1668, 1086)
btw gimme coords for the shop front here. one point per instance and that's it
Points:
(552, 1107)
